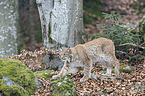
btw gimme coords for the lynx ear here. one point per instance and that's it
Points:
(69, 50)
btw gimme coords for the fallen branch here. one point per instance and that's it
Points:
(132, 45)
(121, 52)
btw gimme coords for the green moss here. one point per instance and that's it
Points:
(69, 76)
(1, 82)
(63, 87)
(56, 81)
(18, 73)
(124, 69)
(44, 74)
(13, 91)
(66, 87)
(16, 90)
(6, 90)
(133, 31)
(1, 76)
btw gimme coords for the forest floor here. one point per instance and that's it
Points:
(131, 81)
(129, 84)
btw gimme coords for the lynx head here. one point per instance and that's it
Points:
(66, 55)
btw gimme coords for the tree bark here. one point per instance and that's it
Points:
(8, 26)
(31, 27)
(61, 22)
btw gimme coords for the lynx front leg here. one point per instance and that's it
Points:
(109, 71)
(87, 72)
(62, 73)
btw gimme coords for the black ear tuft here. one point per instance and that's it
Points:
(69, 50)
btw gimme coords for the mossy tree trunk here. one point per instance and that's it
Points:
(8, 26)
(61, 22)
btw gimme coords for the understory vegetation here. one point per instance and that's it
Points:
(128, 42)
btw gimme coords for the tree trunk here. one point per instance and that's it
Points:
(8, 26)
(31, 27)
(61, 22)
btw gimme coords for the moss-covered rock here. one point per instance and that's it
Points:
(44, 74)
(59, 87)
(18, 73)
(63, 87)
(126, 68)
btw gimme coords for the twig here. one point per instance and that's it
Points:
(132, 45)
(121, 52)
(143, 43)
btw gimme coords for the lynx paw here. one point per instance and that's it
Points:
(83, 79)
(55, 77)
(107, 74)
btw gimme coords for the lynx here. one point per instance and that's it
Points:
(83, 55)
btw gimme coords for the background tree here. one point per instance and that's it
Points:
(61, 22)
(31, 21)
(30, 27)
(8, 26)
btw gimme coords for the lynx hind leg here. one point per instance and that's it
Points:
(117, 68)
(110, 50)
(115, 63)
(109, 66)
